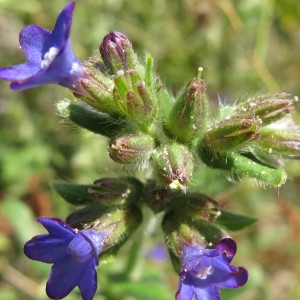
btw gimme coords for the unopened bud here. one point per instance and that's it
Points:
(117, 52)
(269, 108)
(134, 148)
(101, 97)
(116, 192)
(278, 142)
(174, 165)
(134, 98)
(232, 133)
(188, 117)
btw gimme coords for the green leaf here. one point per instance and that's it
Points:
(92, 120)
(75, 194)
(233, 221)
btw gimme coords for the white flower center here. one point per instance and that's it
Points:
(204, 272)
(203, 269)
(48, 58)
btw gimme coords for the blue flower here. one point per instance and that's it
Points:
(50, 58)
(74, 255)
(205, 271)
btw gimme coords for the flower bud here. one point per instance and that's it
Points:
(135, 99)
(269, 108)
(232, 133)
(101, 98)
(280, 142)
(242, 166)
(188, 117)
(134, 148)
(174, 165)
(117, 52)
(116, 192)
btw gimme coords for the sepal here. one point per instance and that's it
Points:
(279, 142)
(269, 108)
(116, 192)
(232, 133)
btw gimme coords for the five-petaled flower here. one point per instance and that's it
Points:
(74, 255)
(205, 271)
(50, 58)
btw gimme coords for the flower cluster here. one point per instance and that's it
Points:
(121, 98)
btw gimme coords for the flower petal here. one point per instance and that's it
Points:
(64, 277)
(185, 289)
(57, 227)
(18, 72)
(209, 293)
(46, 248)
(95, 239)
(88, 281)
(237, 278)
(61, 31)
(32, 41)
(228, 247)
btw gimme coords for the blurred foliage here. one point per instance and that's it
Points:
(246, 48)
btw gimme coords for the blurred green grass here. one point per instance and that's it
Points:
(246, 48)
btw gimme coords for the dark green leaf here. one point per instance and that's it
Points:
(94, 121)
(233, 221)
(75, 194)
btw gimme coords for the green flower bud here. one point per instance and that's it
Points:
(174, 165)
(90, 119)
(117, 52)
(188, 117)
(134, 148)
(269, 108)
(116, 192)
(98, 89)
(278, 142)
(232, 133)
(242, 165)
(134, 98)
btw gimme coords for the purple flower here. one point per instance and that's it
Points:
(49, 57)
(206, 271)
(74, 255)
